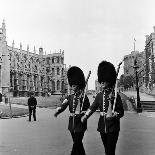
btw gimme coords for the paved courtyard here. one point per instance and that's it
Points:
(49, 135)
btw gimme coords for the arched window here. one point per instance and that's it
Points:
(57, 59)
(48, 61)
(58, 85)
(58, 71)
(62, 72)
(53, 86)
(28, 82)
(53, 71)
(11, 80)
(52, 60)
(62, 60)
(62, 86)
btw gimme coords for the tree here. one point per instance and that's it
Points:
(126, 81)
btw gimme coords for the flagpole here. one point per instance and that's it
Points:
(134, 44)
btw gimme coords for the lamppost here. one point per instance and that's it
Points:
(139, 107)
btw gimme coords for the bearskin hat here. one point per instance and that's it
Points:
(106, 73)
(76, 77)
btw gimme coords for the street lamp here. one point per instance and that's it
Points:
(139, 107)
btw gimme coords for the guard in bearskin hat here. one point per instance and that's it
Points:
(109, 121)
(78, 104)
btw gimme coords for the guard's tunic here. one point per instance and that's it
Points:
(74, 107)
(107, 124)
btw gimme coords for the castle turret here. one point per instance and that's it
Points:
(5, 57)
(34, 50)
(4, 30)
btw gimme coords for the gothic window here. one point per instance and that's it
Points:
(28, 83)
(48, 61)
(53, 85)
(41, 81)
(29, 65)
(53, 71)
(58, 85)
(57, 59)
(62, 60)
(62, 86)
(11, 81)
(20, 81)
(62, 71)
(25, 57)
(52, 60)
(58, 71)
(35, 82)
(17, 57)
(31, 60)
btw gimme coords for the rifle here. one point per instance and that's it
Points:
(115, 88)
(84, 91)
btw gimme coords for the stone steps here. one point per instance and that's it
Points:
(148, 106)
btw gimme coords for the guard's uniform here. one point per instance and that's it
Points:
(77, 109)
(76, 127)
(108, 127)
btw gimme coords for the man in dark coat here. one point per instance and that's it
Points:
(32, 102)
(109, 121)
(77, 107)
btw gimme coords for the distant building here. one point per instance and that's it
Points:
(129, 63)
(129, 66)
(22, 71)
(150, 64)
(97, 86)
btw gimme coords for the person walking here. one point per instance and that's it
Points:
(78, 104)
(109, 121)
(32, 103)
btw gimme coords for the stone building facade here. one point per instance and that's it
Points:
(129, 63)
(150, 64)
(23, 71)
(97, 86)
(129, 69)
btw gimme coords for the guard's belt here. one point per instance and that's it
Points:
(76, 113)
(72, 114)
(103, 113)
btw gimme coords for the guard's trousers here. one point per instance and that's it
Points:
(77, 148)
(109, 141)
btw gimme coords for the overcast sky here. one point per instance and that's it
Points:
(88, 31)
